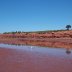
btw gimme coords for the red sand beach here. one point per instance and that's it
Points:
(13, 60)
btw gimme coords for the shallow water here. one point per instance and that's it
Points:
(34, 59)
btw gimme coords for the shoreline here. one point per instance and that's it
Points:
(48, 42)
(62, 39)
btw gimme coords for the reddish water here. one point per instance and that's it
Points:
(34, 59)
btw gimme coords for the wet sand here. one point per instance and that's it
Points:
(16, 60)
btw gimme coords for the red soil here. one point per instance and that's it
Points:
(58, 34)
(62, 39)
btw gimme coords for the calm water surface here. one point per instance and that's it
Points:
(34, 59)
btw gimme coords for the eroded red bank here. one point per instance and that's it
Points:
(61, 39)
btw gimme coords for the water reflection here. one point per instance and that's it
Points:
(52, 44)
(68, 51)
(40, 59)
(27, 56)
(38, 49)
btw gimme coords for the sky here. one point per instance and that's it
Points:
(34, 15)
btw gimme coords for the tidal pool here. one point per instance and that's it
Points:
(15, 58)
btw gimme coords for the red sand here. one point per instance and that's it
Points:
(59, 39)
(23, 61)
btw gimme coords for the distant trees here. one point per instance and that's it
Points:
(68, 27)
(12, 32)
